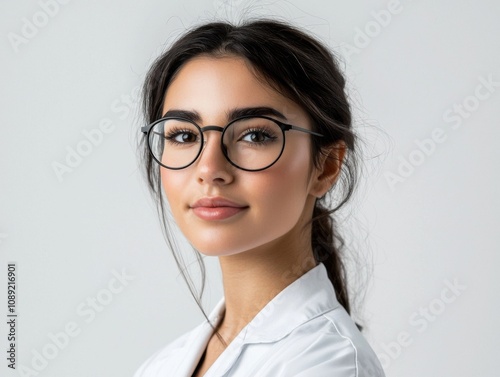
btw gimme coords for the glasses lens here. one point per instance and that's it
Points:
(175, 143)
(253, 143)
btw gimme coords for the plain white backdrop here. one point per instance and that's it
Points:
(98, 290)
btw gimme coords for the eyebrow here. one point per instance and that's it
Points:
(232, 114)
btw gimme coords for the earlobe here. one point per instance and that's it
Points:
(330, 167)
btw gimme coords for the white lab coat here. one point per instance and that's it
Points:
(301, 332)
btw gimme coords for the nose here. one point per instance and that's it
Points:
(212, 165)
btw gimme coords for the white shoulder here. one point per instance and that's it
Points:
(363, 358)
(329, 345)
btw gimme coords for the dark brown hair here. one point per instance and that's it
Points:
(301, 68)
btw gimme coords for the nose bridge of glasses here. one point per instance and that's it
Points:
(212, 128)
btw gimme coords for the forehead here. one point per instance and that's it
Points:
(213, 85)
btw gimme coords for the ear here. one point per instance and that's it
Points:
(330, 164)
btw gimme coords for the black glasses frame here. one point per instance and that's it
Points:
(283, 126)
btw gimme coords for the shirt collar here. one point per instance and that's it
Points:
(308, 297)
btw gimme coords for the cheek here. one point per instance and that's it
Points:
(172, 181)
(283, 188)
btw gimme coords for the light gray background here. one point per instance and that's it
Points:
(68, 236)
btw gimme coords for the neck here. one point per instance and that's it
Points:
(253, 278)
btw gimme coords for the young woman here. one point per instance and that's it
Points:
(249, 130)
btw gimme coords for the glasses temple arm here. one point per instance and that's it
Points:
(306, 131)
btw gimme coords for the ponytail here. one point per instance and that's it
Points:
(327, 246)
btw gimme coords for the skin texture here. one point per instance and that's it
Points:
(267, 246)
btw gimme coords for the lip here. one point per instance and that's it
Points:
(216, 208)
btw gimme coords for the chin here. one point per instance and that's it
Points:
(218, 246)
(221, 247)
(216, 251)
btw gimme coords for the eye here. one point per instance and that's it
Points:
(181, 136)
(257, 136)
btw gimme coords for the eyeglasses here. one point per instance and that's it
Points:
(250, 143)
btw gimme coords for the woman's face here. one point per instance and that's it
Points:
(268, 206)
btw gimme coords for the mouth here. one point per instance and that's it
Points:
(216, 208)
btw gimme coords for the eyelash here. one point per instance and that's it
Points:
(175, 132)
(266, 133)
